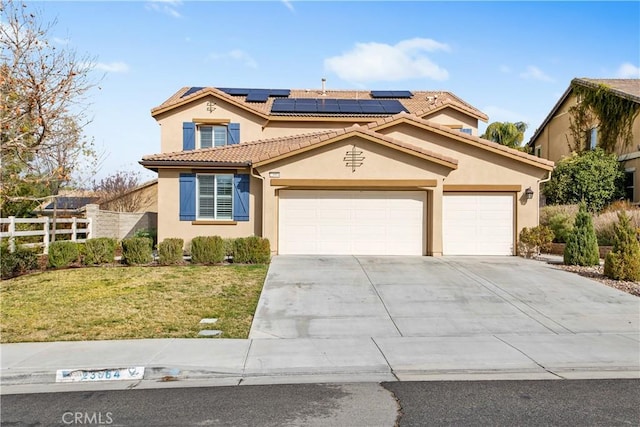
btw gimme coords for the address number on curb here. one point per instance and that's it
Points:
(90, 375)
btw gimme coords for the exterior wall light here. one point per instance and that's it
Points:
(529, 193)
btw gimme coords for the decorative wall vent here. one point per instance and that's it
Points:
(354, 158)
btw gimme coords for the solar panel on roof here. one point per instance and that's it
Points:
(192, 90)
(258, 95)
(279, 92)
(235, 91)
(391, 94)
(392, 106)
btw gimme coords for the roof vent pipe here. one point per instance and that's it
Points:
(324, 89)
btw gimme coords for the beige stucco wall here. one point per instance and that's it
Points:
(480, 167)
(554, 146)
(169, 224)
(451, 117)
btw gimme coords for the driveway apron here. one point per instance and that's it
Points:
(366, 296)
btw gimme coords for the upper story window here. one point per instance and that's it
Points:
(209, 135)
(629, 183)
(538, 152)
(593, 138)
(212, 136)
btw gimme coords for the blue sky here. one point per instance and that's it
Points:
(512, 60)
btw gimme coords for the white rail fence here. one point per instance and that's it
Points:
(79, 227)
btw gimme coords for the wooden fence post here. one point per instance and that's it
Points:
(74, 228)
(45, 238)
(12, 230)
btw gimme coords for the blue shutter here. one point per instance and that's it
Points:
(187, 197)
(466, 130)
(233, 133)
(188, 136)
(241, 197)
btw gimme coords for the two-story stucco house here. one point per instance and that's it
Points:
(340, 172)
(551, 140)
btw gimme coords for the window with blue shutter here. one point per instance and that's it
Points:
(233, 133)
(188, 136)
(187, 197)
(466, 130)
(241, 197)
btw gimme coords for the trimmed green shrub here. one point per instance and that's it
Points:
(582, 244)
(207, 250)
(137, 250)
(623, 262)
(170, 251)
(559, 218)
(63, 254)
(150, 233)
(251, 250)
(606, 222)
(534, 240)
(100, 250)
(21, 261)
(228, 247)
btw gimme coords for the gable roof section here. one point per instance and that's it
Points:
(270, 150)
(421, 103)
(462, 137)
(625, 88)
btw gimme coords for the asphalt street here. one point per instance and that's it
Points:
(435, 403)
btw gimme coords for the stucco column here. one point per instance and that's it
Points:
(435, 220)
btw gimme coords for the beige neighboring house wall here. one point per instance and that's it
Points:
(417, 152)
(143, 198)
(552, 140)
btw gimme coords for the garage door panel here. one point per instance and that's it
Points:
(351, 222)
(478, 224)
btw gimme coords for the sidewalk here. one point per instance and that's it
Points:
(31, 367)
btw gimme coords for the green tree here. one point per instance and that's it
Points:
(623, 262)
(506, 133)
(582, 244)
(594, 177)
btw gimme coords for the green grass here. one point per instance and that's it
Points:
(105, 303)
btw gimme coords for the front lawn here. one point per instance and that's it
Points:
(104, 303)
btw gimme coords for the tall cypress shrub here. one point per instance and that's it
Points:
(582, 244)
(623, 262)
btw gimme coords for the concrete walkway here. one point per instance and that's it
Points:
(564, 343)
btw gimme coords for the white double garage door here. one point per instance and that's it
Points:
(332, 222)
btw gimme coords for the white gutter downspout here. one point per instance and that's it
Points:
(542, 181)
(261, 178)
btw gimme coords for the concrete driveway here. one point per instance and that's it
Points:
(364, 296)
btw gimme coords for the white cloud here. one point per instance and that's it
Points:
(112, 67)
(628, 71)
(168, 7)
(535, 73)
(58, 40)
(289, 5)
(368, 62)
(235, 55)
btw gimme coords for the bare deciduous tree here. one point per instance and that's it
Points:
(117, 193)
(43, 104)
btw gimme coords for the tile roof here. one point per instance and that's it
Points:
(460, 136)
(248, 153)
(420, 103)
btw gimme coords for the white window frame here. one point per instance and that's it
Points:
(215, 198)
(538, 150)
(213, 135)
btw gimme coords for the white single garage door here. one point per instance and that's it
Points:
(351, 222)
(477, 224)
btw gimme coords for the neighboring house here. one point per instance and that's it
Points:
(551, 139)
(66, 206)
(340, 172)
(143, 198)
